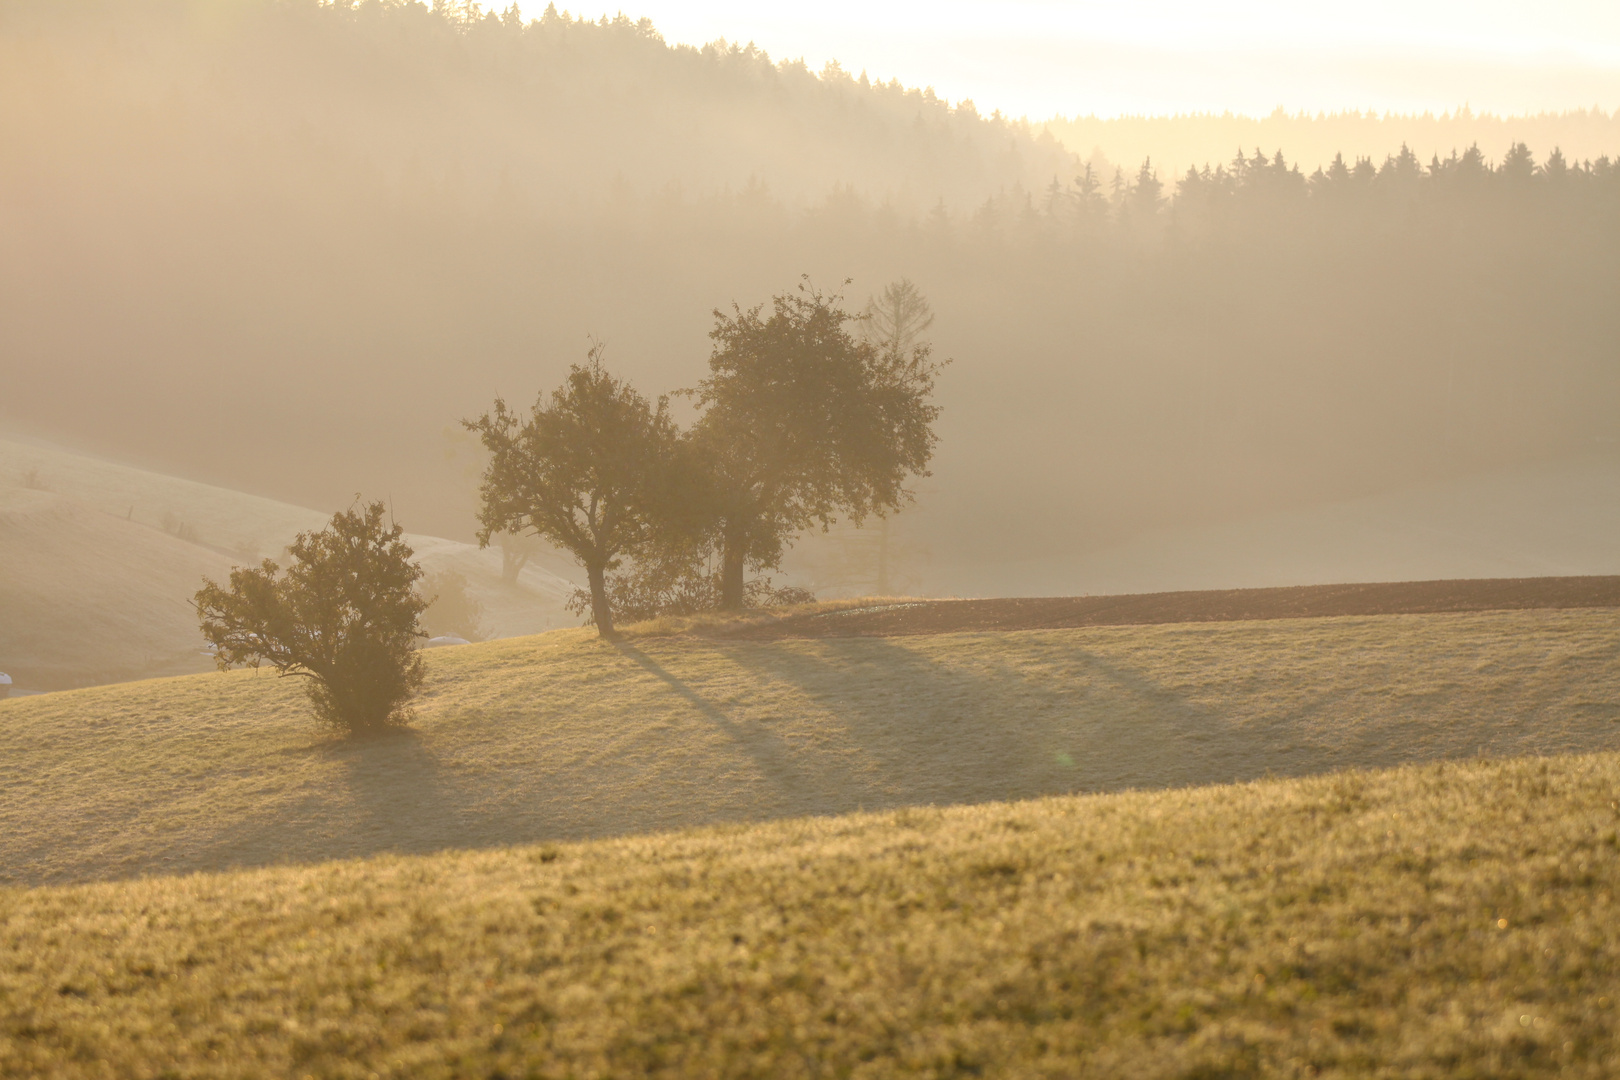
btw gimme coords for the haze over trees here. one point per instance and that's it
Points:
(408, 209)
(1313, 139)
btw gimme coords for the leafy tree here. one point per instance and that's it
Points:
(584, 471)
(802, 421)
(343, 615)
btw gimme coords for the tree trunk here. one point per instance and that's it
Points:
(601, 610)
(731, 573)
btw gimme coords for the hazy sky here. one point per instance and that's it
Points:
(1041, 57)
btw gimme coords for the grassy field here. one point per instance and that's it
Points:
(1450, 920)
(561, 736)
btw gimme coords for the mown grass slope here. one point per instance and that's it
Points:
(561, 736)
(1447, 920)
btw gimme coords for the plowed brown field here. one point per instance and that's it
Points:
(1217, 605)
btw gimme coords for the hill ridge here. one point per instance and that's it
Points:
(926, 616)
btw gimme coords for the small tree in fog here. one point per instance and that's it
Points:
(896, 319)
(803, 421)
(516, 551)
(894, 322)
(452, 608)
(343, 615)
(583, 471)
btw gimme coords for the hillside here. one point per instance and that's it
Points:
(1446, 920)
(894, 617)
(561, 736)
(89, 596)
(101, 561)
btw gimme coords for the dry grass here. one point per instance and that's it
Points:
(1439, 921)
(561, 736)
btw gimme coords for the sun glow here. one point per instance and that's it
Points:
(1038, 58)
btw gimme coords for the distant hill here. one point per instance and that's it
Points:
(92, 597)
(100, 562)
(562, 736)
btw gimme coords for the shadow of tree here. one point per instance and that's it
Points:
(934, 732)
(394, 797)
(771, 753)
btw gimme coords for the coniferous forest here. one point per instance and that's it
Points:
(246, 240)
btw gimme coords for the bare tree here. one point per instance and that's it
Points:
(896, 319)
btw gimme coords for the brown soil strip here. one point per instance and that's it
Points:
(1218, 605)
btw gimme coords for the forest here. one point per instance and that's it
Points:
(245, 241)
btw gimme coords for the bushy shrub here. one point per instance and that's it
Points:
(343, 615)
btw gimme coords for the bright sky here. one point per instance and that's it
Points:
(1042, 57)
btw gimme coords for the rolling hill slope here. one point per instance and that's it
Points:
(101, 560)
(1446, 920)
(88, 596)
(561, 736)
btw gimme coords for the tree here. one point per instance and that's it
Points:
(802, 421)
(452, 609)
(895, 319)
(516, 551)
(1145, 195)
(584, 471)
(894, 322)
(343, 615)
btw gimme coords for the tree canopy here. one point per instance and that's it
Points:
(802, 421)
(585, 470)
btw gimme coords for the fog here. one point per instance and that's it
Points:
(285, 248)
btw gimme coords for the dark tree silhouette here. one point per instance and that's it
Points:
(584, 471)
(343, 615)
(801, 421)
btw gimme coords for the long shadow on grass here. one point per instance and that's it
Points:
(940, 732)
(394, 796)
(770, 752)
